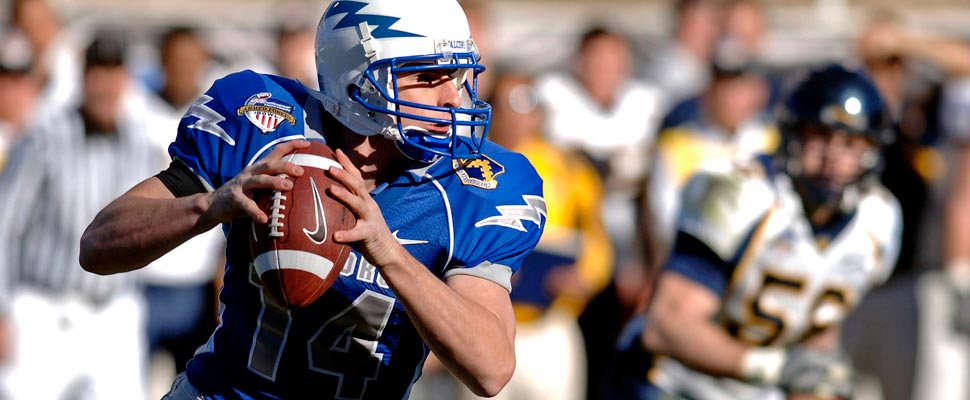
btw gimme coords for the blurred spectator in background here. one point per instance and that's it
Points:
(294, 53)
(481, 27)
(910, 69)
(915, 136)
(743, 27)
(885, 41)
(953, 368)
(730, 125)
(918, 350)
(56, 49)
(740, 37)
(76, 335)
(181, 287)
(572, 262)
(18, 89)
(600, 110)
(679, 67)
(186, 65)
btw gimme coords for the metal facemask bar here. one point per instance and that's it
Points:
(416, 143)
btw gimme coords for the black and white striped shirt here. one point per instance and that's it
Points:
(55, 182)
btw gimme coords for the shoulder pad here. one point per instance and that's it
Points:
(720, 208)
(236, 122)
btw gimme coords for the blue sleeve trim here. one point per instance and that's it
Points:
(696, 261)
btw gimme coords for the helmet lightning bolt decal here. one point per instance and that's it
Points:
(512, 216)
(381, 23)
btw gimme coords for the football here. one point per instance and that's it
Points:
(294, 253)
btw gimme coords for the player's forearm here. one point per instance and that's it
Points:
(133, 231)
(952, 56)
(468, 338)
(698, 344)
(469, 341)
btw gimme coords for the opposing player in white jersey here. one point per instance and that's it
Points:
(770, 257)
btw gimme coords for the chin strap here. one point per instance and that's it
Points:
(415, 142)
(367, 42)
(392, 133)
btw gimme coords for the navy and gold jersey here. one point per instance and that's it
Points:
(743, 235)
(474, 217)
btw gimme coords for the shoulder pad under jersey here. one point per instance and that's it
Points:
(496, 174)
(721, 207)
(237, 121)
(497, 199)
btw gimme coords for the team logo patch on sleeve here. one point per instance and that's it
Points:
(480, 172)
(266, 113)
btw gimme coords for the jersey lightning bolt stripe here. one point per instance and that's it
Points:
(478, 218)
(744, 235)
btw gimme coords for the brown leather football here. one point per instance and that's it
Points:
(294, 253)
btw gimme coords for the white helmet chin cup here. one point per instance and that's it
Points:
(362, 45)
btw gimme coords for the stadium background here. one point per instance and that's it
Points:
(535, 36)
(798, 31)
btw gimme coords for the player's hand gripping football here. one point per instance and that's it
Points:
(234, 199)
(371, 236)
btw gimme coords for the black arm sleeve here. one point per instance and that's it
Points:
(180, 180)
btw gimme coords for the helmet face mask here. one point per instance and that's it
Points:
(363, 47)
(830, 162)
(415, 142)
(834, 124)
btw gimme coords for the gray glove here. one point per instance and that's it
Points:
(957, 276)
(816, 372)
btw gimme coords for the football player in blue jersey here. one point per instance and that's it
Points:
(444, 218)
(769, 258)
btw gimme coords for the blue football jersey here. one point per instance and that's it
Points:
(477, 217)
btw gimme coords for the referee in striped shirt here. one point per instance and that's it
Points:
(75, 334)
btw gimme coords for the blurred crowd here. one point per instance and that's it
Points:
(615, 132)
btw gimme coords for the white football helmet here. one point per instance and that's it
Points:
(360, 47)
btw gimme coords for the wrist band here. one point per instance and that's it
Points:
(762, 365)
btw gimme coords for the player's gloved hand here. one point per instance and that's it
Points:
(821, 373)
(958, 277)
(798, 369)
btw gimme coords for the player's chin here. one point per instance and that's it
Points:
(827, 183)
(439, 133)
